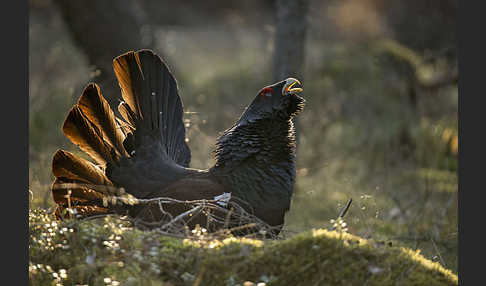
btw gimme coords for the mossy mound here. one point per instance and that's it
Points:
(107, 251)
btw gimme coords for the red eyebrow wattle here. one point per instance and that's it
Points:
(266, 90)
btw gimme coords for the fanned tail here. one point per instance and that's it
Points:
(152, 124)
(81, 185)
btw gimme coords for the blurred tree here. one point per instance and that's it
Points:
(423, 74)
(425, 51)
(289, 53)
(103, 30)
(423, 25)
(209, 12)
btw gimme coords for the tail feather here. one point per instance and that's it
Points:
(67, 192)
(79, 200)
(124, 126)
(127, 114)
(68, 165)
(70, 205)
(73, 174)
(88, 137)
(98, 111)
(153, 105)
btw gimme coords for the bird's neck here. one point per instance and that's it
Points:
(257, 160)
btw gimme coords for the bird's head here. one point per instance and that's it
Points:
(276, 100)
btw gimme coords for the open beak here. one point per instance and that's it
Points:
(292, 86)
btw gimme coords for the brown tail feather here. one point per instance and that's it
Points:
(122, 72)
(84, 200)
(98, 111)
(82, 186)
(68, 165)
(88, 137)
(127, 114)
(125, 126)
(72, 192)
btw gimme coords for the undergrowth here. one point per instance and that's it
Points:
(108, 251)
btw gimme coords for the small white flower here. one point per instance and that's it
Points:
(374, 270)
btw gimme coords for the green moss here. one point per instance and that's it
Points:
(107, 250)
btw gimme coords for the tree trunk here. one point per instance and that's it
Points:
(103, 30)
(289, 53)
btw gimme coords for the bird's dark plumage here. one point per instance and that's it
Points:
(146, 154)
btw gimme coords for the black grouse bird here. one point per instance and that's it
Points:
(146, 154)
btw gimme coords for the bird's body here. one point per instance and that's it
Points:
(146, 154)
